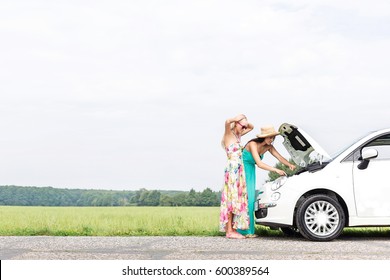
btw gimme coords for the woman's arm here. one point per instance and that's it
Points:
(228, 122)
(228, 136)
(248, 129)
(252, 147)
(280, 158)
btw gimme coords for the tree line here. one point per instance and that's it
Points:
(49, 196)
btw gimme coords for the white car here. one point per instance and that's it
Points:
(349, 189)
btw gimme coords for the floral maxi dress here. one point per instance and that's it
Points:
(234, 194)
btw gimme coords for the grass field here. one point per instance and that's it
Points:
(109, 221)
(126, 221)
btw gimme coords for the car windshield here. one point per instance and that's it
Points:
(347, 146)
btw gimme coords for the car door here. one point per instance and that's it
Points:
(372, 182)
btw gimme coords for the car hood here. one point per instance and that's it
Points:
(301, 147)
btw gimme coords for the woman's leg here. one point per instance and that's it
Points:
(229, 226)
(230, 231)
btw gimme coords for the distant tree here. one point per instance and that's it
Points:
(207, 197)
(192, 198)
(153, 198)
(179, 199)
(106, 200)
(166, 200)
(143, 197)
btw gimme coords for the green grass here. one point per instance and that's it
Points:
(367, 232)
(109, 221)
(129, 221)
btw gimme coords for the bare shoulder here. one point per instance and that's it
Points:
(252, 146)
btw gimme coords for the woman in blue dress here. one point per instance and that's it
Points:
(253, 154)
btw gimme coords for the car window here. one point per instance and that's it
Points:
(355, 155)
(382, 145)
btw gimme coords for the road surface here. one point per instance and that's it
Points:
(190, 248)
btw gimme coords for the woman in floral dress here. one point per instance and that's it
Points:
(234, 200)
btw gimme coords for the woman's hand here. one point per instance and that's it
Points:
(292, 167)
(280, 172)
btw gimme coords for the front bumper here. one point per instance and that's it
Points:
(270, 216)
(269, 211)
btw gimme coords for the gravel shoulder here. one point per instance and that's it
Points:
(189, 248)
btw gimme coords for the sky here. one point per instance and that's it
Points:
(130, 94)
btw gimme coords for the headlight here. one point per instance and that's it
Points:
(278, 183)
(275, 196)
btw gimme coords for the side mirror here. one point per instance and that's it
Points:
(367, 154)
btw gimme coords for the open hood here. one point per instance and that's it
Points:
(301, 147)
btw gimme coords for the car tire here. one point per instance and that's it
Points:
(320, 218)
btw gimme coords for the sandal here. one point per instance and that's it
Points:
(234, 235)
(251, 236)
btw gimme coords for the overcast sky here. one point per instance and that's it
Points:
(129, 94)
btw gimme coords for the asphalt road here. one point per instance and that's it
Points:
(190, 248)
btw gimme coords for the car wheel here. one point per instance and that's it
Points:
(320, 218)
(290, 231)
